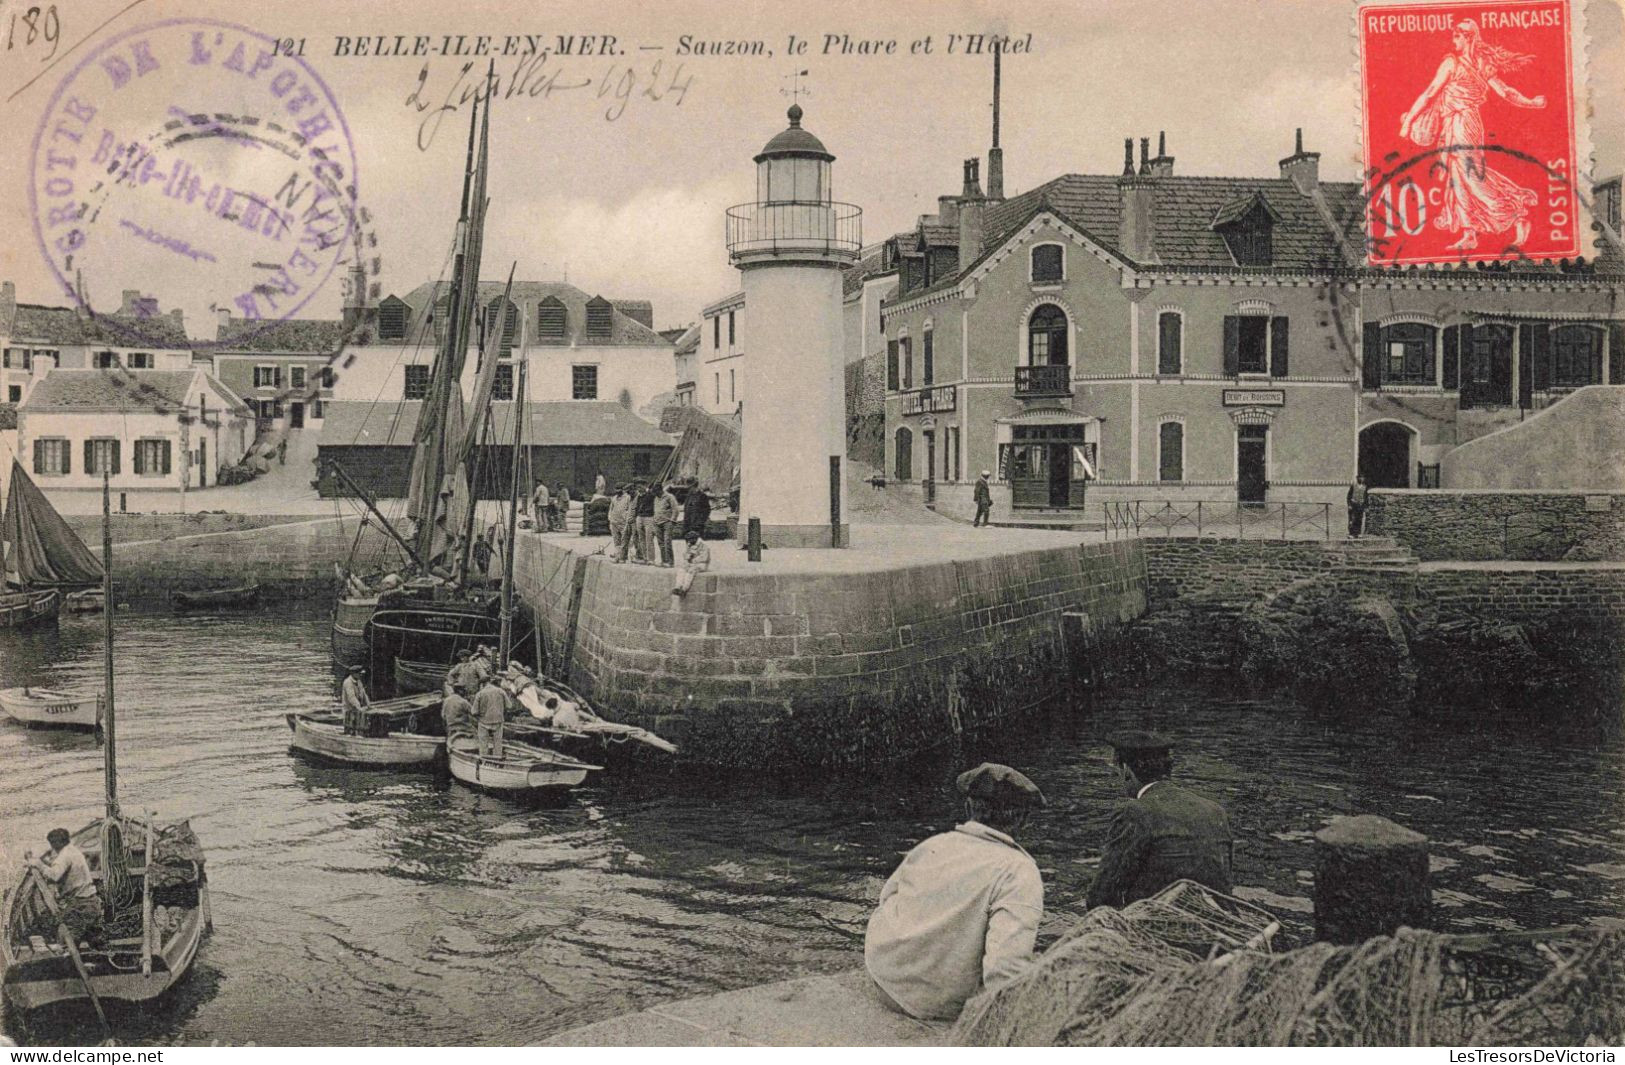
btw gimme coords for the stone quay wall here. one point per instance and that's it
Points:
(1181, 569)
(1529, 526)
(824, 669)
(1591, 593)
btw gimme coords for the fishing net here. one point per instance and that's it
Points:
(1190, 967)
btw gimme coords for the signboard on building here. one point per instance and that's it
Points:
(1254, 397)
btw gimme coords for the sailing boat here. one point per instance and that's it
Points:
(42, 555)
(409, 635)
(149, 880)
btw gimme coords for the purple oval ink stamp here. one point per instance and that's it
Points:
(195, 149)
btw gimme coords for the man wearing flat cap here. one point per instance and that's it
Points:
(1163, 834)
(961, 912)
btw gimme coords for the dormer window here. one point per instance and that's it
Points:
(600, 317)
(1048, 264)
(1247, 225)
(502, 310)
(552, 321)
(392, 317)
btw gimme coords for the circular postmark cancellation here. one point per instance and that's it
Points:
(192, 156)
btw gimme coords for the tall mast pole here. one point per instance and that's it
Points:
(520, 414)
(109, 731)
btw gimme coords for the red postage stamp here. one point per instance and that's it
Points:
(1469, 131)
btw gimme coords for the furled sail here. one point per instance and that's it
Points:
(42, 550)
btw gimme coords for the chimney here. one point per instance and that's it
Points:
(995, 154)
(973, 181)
(948, 210)
(1136, 214)
(1302, 168)
(355, 300)
(180, 322)
(1605, 195)
(1163, 164)
(8, 304)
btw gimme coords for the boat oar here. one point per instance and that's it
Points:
(69, 940)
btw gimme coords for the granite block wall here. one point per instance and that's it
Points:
(1591, 593)
(1533, 526)
(764, 670)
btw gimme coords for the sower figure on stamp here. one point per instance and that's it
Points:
(961, 913)
(1359, 496)
(1447, 116)
(1165, 833)
(353, 695)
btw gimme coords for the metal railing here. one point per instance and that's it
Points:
(823, 229)
(1044, 380)
(1218, 518)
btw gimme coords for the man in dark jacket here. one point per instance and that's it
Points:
(1165, 833)
(984, 499)
(643, 511)
(696, 509)
(1358, 498)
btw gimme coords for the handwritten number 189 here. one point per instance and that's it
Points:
(38, 24)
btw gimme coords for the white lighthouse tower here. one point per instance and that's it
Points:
(791, 245)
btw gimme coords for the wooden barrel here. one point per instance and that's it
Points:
(1371, 879)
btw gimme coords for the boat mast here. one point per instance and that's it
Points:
(490, 352)
(109, 732)
(520, 414)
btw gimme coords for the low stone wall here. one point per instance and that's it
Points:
(1179, 569)
(1531, 526)
(832, 669)
(129, 527)
(1592, 593)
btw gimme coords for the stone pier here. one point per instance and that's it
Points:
(828, 658)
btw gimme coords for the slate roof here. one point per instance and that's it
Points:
(562, 424)
(866, 269)
(128, 391)
(937, 235)
(66, 326)
(625, 330)
(688, 341)
(304, 336)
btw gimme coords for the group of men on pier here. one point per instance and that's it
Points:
(961, 912)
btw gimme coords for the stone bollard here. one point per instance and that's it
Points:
(1371, 878)
(753, 540)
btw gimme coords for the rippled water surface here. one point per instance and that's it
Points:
(378, 907)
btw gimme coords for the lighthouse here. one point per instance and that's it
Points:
(791, 245)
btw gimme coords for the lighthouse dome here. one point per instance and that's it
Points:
(795, 141)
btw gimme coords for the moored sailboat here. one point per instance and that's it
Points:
(150, 885)
(41, 557)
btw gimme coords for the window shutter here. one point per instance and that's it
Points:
(1371, 365)
(1526, 370)
(90, 456)
(1278, 347)
(927, 366)
(1169, 341)
(891, 365)
(1542, 356)
(1616, 353)
(67, 456)
(138, 462)
(1452, 356)
(164, 451)
(112, 446)
(276, 377)
(1232, 345)
(39, 456)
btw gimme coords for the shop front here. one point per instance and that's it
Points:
(1048, 457)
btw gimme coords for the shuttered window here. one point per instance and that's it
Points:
(1246, 344)
(392, 319)
(1047, 263)
(1171, 451)
(892, 378)
(101, 456)
(1170, 342)
(600, 317)
(504, 315)
(152, 458)
(1576, 356)
(552, 321)
(928, 360)
(52, 457)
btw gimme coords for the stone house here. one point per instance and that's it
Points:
(148, 429)
(1156, 336)
(36, 339)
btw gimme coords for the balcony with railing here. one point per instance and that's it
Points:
(1044, 380)
(938, 399)
(826, 231)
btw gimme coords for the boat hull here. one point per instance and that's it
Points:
(29, 610)
(415, 677)
(349, 636)
(44, 708)
(427, 634)
(85, 602)
(522, 770)
(330, 742)
(219, 599)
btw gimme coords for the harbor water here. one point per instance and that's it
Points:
(383, 907)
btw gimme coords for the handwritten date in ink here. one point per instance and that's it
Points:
(34, 28)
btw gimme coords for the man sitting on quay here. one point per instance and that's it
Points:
(1163, 834)
(961, 912)
(65, 866)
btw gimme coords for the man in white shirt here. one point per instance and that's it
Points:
(961, 913)
(65, 866)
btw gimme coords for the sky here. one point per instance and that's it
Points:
(626, 198)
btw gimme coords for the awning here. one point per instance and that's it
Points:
(1046, 416)
(1542, 316)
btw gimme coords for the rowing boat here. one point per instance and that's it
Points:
(28, 609)
(413, 676)
(51, 708)
(88, 601)
(392, 737)
(216, 598)
(522, 769)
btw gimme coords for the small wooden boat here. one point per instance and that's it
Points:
(392, 737)
(88, 601)
(522, 769)
(419, 676)
(52, 708)
(29, 609)
(216, 598)
(155, 899)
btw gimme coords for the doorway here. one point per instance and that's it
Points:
(930, 436)
(1385, 455)
(203, 463)
(1060, 475)
(1252, 463)
(904, 457)
(296, 416)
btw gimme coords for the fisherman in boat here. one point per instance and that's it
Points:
(482, 662)
(1165, 833)
(353, 694)
(961, 912)
(490, 714)
(457, 713)
(65, 866)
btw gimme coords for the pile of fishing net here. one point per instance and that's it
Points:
(1190, 967)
